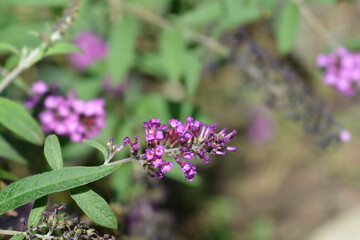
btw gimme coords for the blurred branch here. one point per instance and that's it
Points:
(154, 19)
(29, 58)
(315, 23)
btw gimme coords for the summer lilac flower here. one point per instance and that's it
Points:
(93, 47)
(189, 140)
(69, 116)
(341, 70)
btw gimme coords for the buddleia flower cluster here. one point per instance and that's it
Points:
(93, 49)
(68, 115)
(184, 142)
(341, 70)
(56, 225)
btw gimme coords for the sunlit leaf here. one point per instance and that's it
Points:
(286, 27)
(172, 49)
(122, 48)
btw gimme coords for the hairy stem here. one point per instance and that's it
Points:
(9, 232)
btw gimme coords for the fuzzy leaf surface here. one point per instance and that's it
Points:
(98, 146)
(14, 117)
(94, 206)
(52, 152)
(38, 208)
(39, 185)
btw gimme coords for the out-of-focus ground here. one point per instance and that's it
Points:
(288, 188)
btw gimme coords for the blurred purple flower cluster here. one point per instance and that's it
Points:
(67, 116)
(189, 140)
(341, 70)
(93, 47)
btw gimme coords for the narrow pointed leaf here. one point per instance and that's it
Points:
(52, 152)
(7, 151)
(94, 206)
(122, 48)
(18, 236)
(62, 48)
(286, 27)
(6, 47)
(14, 117)
(7, 175)
(36, 186)
(98, 146)
(172, 48)
(38, 208)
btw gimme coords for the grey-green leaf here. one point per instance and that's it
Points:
(7, 175)
(36, 186)
(286, 27)
(62, 48)
(98, 146)
(172, 48)
(18, 236)
(94, 206)
(38, 208)
(122, 48)
(52, 152)
(192, 73)
(7, 151)
(7, 47)
(15, 118)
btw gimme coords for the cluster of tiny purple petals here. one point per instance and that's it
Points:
(67, 116)
(93, 49)
(341, 70)
(188, 140)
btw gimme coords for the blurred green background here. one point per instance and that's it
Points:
(219, 61)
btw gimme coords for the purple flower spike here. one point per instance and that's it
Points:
(65, 115)
(190, 140)
(344, 136)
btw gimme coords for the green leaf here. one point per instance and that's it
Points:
(152, 105)
(7, 151)
(286, 27)
(6, 47)
(204, 14)
(15, 118)
(7, 175)
(35, 3)
(122, 48)
(37, 210)
(52, 152)
(192, 73)
(94, 206)
(172, 49)
(98, 146)
(36, 186)
(18, 236)
(62, 48)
